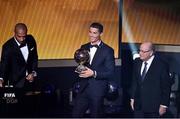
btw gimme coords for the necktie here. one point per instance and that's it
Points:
(91, 46)
(144, 71)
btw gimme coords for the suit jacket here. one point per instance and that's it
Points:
(13, 64)
(104, 64)
(154, 90)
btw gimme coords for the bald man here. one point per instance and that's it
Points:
(150, 91)
(19, 59)
(18, 67)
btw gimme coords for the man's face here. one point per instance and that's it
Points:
(94, 35)
(20, 35)
(145, 51)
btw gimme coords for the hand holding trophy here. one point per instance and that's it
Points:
(81, 56)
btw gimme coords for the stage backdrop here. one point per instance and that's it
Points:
(60, 26)
(151, 20)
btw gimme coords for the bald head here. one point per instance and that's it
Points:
(148, 45)
(20, 32)
(21, 26)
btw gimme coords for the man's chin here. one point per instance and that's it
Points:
(94, 41)
(142, 58)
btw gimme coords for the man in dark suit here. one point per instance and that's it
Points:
(19, 58)
(151, 85)
(94, 80)
(19, 61)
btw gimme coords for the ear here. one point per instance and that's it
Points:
(151, 53)
(101, 34)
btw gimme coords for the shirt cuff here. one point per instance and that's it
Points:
(34, 73)
(164, 106)
(95, 74)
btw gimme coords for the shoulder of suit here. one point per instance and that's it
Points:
(137, 61)
(106, 46)
(160, 60)
(29, 36)
(9, 42)
(85, 45)
(30, 39)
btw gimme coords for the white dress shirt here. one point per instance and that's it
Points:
(92, 52)
(149, 61)
(24, 50)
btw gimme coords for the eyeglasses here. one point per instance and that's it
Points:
(144, 51)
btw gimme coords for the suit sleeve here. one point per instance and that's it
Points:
(34, 59)
(109, 66)
(165, 86)
(134, 80)
(5, 61)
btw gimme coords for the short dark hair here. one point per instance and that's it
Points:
(20, 26)
(98, 26)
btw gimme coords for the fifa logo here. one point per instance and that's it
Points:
(9, 95)
(10, 98)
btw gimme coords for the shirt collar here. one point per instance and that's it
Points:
(17, 41)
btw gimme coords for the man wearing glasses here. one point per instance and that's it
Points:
(150, 90)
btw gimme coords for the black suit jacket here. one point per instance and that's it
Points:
(13, 65)
(104, 64)
(154, 90)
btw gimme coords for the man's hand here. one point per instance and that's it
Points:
(1, 83)
(30, 77)
(162, 110)
(87, 73)
(132, 104)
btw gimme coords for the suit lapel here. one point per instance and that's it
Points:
(151, 68)
(17, 49)
(139, 70)
(29, 49)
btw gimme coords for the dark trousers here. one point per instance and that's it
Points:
(23, 105)
(85, 101)
(142, 114)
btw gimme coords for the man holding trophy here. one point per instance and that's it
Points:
(96, 67)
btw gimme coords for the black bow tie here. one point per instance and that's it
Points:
(22, 45)
(96, 46)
